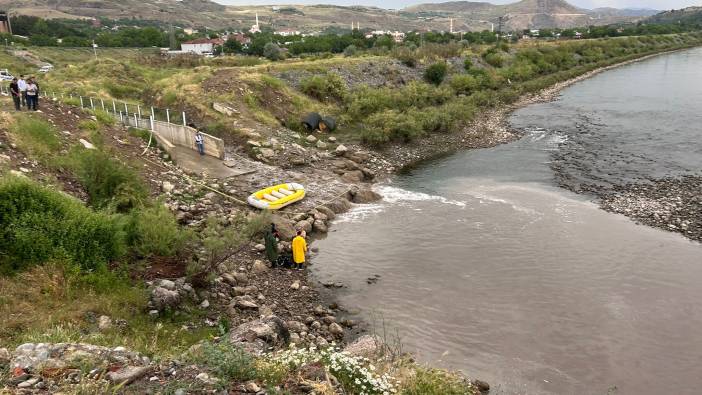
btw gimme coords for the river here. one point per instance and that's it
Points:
(486, 265)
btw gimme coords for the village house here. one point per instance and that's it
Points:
(201, 46)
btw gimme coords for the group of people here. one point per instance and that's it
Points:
(25, 93)
(299, 250)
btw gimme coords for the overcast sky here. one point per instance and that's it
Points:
(655, 4)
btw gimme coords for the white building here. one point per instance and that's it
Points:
(201, 45)
(288, 32)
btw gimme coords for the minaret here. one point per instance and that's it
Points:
(257, 19)
(451, 26)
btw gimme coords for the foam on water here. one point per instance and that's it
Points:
(393, 194)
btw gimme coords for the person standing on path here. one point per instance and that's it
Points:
(32, 95)
(200, 142)
(22, 85)
(15, 93)
(299, 248)
(271, 243)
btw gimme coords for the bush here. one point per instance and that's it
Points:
(324, 87)
(405, 55)
(38, 224)
(154, 231)
(494, 59)
(350, 51)
(436, 382)
(107, 182)
(436, 73)
(228, 362)
(463, 84)
(468, 64)
(390, 125)
(272, 52)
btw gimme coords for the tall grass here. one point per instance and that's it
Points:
(35, 137)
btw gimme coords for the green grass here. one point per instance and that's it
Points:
(427, 381)
(35, 137)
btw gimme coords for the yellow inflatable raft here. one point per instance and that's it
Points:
(277, 196)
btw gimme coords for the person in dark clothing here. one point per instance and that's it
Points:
(271, 242)
(15, 93)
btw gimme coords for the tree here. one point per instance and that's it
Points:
(232, 46)
(272, 51)
(436, 73)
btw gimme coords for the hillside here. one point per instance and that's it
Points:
(690, 15)
(468, 16)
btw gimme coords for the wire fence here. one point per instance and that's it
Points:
(171, 125)
(119, 109)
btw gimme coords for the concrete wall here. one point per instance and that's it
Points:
(183, 136)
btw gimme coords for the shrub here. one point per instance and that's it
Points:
(228, 362)
(104, 117)
(463, 84)
(154, 231)
(390, 125)
(350, 51)
(38, 224)
(107, 182)
(405, 55)
(436, 73)
(494, 59)
(35, 137)
(436, 382)
(272, 51)
(324, 87)
(467, 64)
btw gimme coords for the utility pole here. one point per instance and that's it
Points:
(499, 29)
(171, 37)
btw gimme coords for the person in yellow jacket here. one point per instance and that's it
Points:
(299, 248)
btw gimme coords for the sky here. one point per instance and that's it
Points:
(654, 4)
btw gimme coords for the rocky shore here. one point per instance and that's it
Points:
(672, 204)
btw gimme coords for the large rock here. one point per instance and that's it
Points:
(320, 226)
(128, 374)
(259, 267)
(362, 196)
(341, 150)
(326, 211)
(37, 357)
(365, 346)
(162, 298)
(339, 206)
(284, 226)
(104, 323)
(305, 225)
(261, 335)
(311, 139)
(167, 187)
(353, 176)
(336, 329)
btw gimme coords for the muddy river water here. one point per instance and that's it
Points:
(488, 266)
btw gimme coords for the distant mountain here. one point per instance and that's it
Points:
(529, 13)
(690, 16)
(466, 15)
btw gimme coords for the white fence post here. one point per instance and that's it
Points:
(102, 103)
(126, 109)
(168, 116)
(81, 102)
(92, 107)
(136, 121)
(139, 110)
(121, 118)
(114, 107)
(153, 115)
(184, 118)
